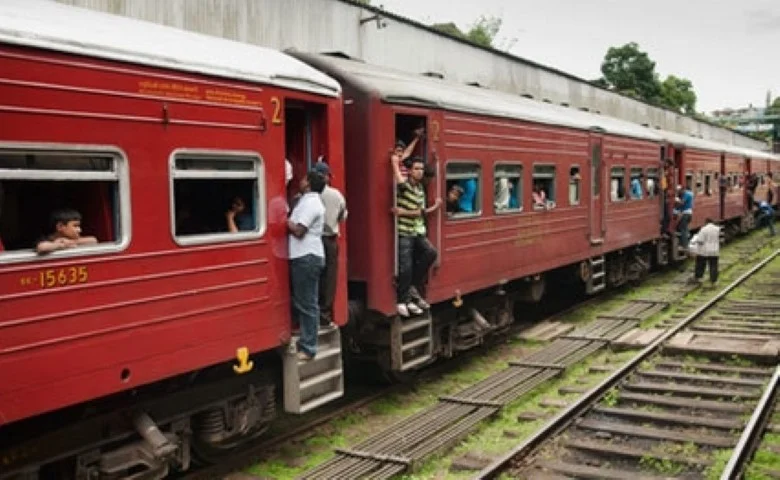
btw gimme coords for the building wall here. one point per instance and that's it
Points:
(392, 41)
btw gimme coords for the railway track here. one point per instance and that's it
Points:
(692, 404)
(406, 444)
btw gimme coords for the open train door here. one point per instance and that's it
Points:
(597, 228)
(722, 187)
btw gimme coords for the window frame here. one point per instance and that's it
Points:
(258, 174)
(692, 182)
(120, 175)
(477, 198)
(509, 163)
(554, 200)
(611, 177)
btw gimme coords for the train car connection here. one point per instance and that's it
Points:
(162, 339)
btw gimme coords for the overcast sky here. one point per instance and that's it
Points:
(729, 49)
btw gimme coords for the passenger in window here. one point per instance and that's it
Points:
(453, 198)
(636, 187)
(539, 197)
(468, 198)
(502, 193)
(65, 232)
(238, 218)
(335, 213)
(307, 260)
(415, 253)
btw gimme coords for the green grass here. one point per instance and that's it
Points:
(296, 457)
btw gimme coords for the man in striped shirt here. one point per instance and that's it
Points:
(415, 253)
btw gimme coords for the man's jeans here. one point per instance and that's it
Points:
(683, 228)
(305, 278)
(415, 258)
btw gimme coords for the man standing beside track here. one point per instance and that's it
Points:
(707, 243)
(335, 213)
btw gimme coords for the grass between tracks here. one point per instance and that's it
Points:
(495, 437)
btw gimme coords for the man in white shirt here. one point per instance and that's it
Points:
(707, 250)
(335, 213)
(307, 259)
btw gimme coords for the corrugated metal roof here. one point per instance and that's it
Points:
(698, 143)
(49, 25)
(394, 86)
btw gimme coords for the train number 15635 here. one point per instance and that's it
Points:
(58, 277)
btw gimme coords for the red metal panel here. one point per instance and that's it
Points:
(155, 309)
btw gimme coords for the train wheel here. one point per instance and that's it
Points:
(220, 430)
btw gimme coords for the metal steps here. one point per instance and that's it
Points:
(598, 275)
(310, 384)
(411, 341)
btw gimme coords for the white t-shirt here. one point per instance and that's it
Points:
(335, 209)
(309, 212)
(708, 241)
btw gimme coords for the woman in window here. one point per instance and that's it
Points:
(539, 197)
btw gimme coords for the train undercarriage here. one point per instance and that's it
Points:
(201, 417)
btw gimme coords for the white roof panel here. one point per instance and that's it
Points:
(694, 142)
(395, 86)
(50, 25)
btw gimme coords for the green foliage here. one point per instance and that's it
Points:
(677, 94)
(482, 32)
(612, 397)
(631, 71)
(363, 2)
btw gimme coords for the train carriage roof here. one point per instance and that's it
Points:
(50, 25)
(394, 86)
(681, 140)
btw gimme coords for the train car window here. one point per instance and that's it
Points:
(617, 184)
(575, 181)
(652, 185)
(636, 187)
(465, 178)
(217, 196)
(708, 183)
(88, 185)
(544, 193)
(508, 188)
(700, 183)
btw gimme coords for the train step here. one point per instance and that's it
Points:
(310, 384)
(598, 275)
(411, 341)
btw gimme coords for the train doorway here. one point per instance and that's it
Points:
(305, 130)
(597, 227)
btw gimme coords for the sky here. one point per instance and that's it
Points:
(729, 49)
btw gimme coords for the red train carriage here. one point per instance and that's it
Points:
(149, 132)
(585, 163)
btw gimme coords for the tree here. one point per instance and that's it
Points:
(450, 29)
(482, 32)
(677, 94)
(774, 109)
(363, 2)
(630, 71)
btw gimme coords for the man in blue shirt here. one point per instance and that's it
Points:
(684, 208)
(766, 214)
(636, 187)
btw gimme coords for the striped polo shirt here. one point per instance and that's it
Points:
(410, 197)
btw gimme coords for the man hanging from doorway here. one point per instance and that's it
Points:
(335, 213)
(415, 253)
(684, 208)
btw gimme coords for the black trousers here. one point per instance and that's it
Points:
(329, 278)
(701, 264)
(415, 258)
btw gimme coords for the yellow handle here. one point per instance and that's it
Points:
(244, 365)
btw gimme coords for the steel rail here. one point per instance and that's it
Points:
(576, 409)
(753, 430)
